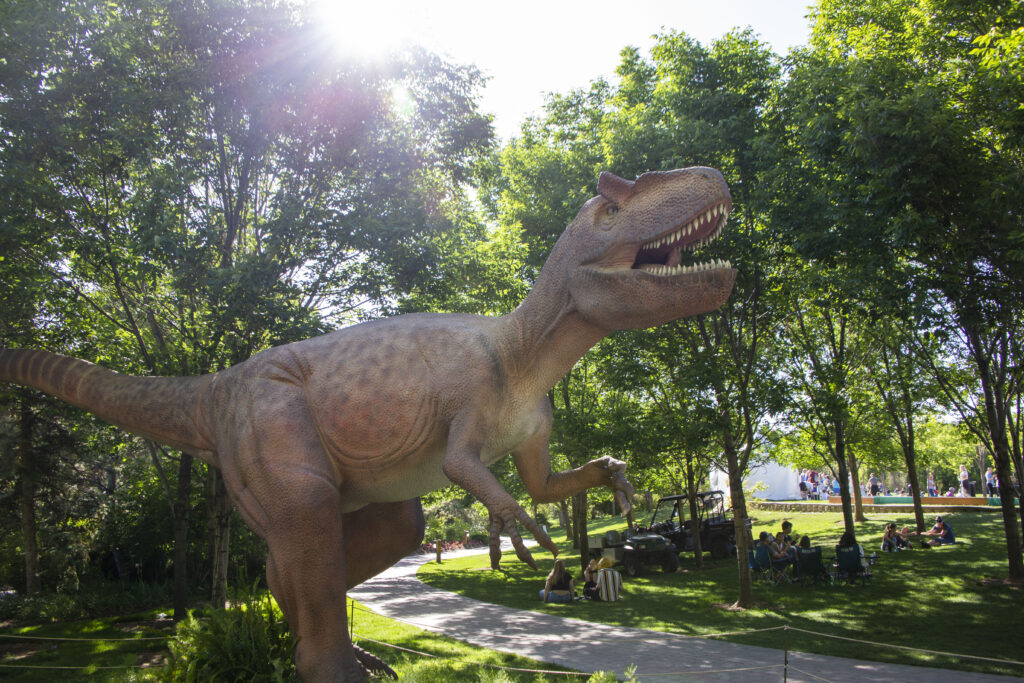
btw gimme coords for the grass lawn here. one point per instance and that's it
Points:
(77, 644)
(942, 599)
(119, 659)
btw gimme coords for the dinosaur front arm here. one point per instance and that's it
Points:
(462, 465)
(533, 461)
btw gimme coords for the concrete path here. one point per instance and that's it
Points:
(590, 647)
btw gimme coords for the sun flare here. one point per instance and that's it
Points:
(366, 29)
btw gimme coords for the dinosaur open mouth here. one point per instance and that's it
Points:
(663, 255)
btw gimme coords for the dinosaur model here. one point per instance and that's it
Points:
(326, 444)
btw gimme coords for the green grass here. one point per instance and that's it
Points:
(125, 650)
(936, 599)
(455, 660)
(451, 660)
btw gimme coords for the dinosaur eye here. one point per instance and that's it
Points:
(611, 210)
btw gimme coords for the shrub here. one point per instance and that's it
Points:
(449, 521)
(92, 599)
(249, 641)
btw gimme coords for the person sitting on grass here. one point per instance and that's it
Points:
(559, 586)
(942, 533)
(590, 580)
(890, 538)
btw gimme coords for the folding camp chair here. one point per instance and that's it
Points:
(809, 565)
(776, 569)
(849, 565)
(757, 571)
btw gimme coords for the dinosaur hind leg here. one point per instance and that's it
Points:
(306, 571)
(384, 534)
(306, 585)
(286, 489)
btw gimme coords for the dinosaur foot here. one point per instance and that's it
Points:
(374, 664)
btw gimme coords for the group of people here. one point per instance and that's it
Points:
(816, 486)
(894, 539)
(600, 582)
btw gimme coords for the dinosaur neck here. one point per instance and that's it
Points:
(544, 337)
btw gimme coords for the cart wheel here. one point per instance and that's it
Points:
(633, 565)
(670, 562)
(719, 549)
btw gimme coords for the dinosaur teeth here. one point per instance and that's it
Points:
(668, 271)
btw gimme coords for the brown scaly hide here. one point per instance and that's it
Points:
(326, 444)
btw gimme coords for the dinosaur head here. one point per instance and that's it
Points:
(626, 256)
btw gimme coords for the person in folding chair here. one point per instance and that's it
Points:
(769, 556)
(850, 559)
(809, 565)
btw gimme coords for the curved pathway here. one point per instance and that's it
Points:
(588, 646)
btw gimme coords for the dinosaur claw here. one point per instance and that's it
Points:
(623, 491)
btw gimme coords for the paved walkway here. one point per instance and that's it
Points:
(590, 647)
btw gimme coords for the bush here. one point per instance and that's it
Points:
(94, 598)
(449, 521)
(249, 641)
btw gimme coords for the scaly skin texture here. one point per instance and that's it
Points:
(326, 444)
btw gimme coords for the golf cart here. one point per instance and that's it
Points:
(717, 533)
(634, 551)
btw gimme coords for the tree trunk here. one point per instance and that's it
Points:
(739, 513)
(844, 494)
(564, 518)
(27, 500)
(995, 401)
(181, 510)
(581, 530)
(854, 476)
(910, 457)
(219, 521)
(691, 489)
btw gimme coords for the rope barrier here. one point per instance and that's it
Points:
(786, 627)
(714, 672)
(908, 648)
(808, 673)
(639, 636)
(490, 666)
(90, 668)
(86, 640)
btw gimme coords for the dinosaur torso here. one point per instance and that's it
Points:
(406, 380)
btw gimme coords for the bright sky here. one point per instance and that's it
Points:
(530, 48)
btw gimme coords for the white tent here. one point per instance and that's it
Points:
(771, 481)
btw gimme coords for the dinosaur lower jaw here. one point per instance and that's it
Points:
(627, 299)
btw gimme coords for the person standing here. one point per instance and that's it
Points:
(933, 490)
(964, 476)
(873, 484)
(990, 483)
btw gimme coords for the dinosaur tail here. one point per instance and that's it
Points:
(164, 409)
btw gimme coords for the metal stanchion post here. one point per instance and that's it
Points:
(351, 618)
(785, 655)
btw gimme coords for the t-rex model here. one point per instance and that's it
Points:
(326, 444)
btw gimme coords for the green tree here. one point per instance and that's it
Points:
(213, 182)
(903, 135)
